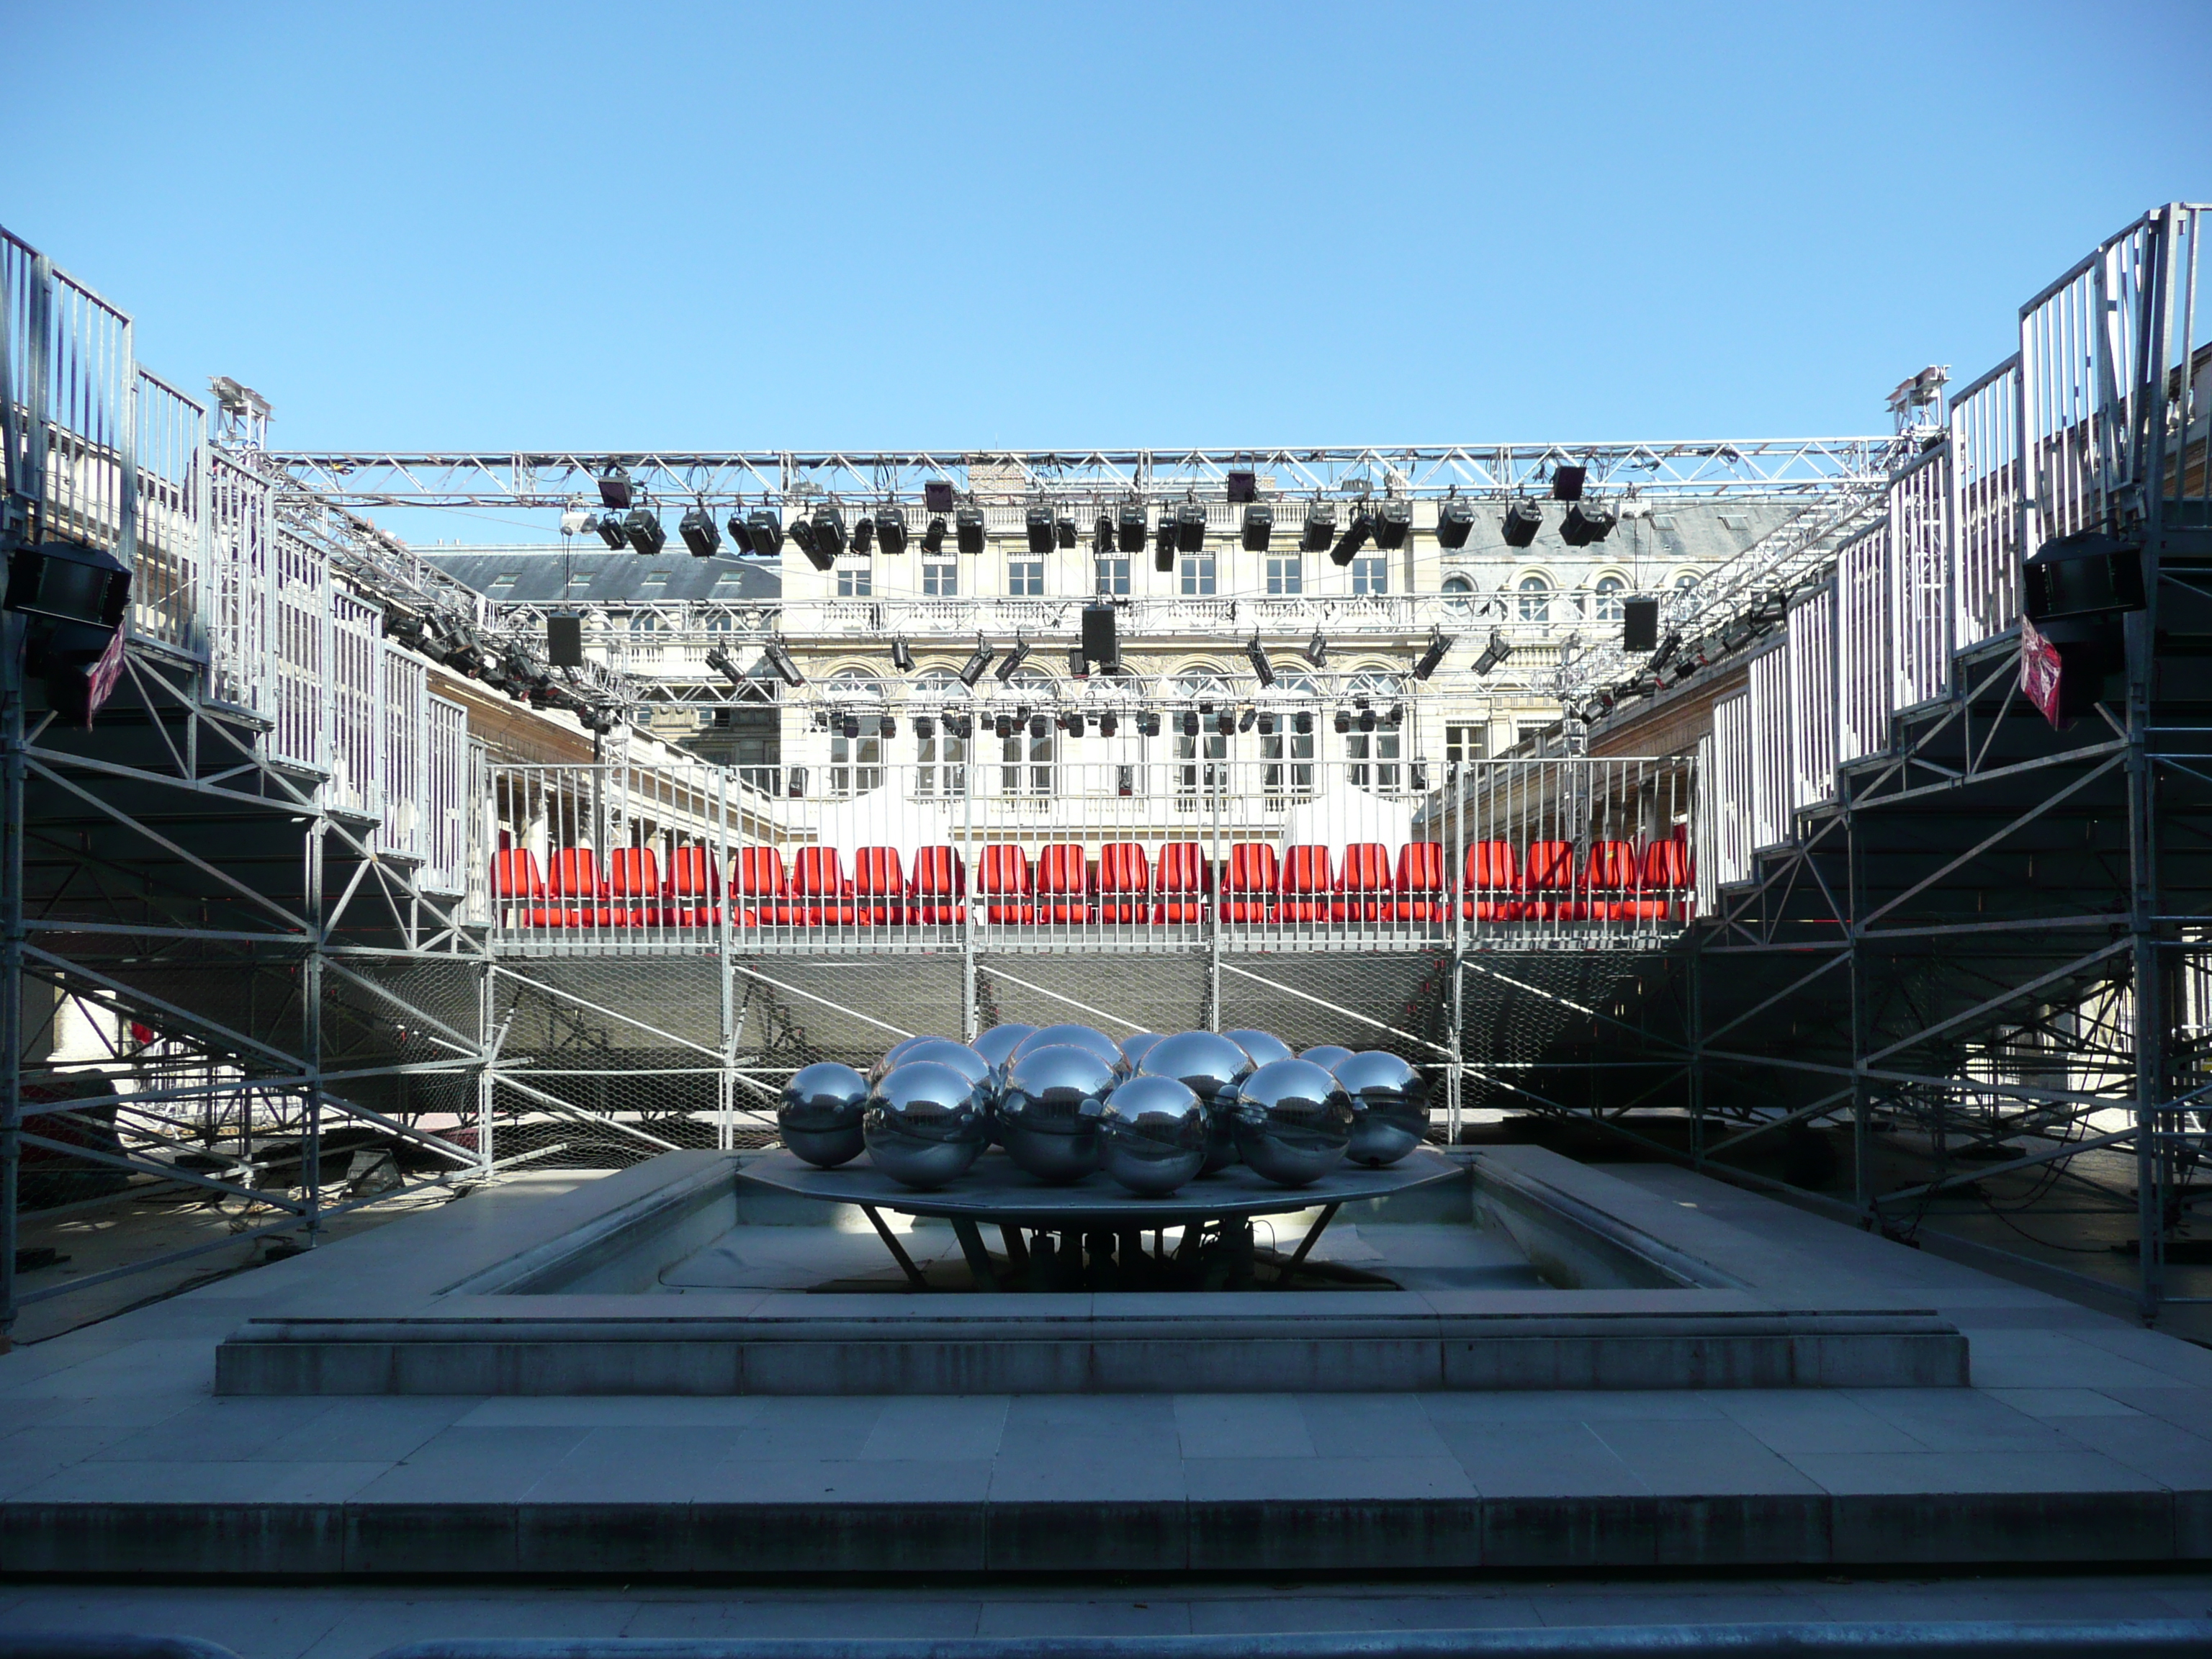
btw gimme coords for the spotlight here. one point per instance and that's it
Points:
(1190, 723)
(1243, 486)
(780, 660)
(1639, 624)
(1079, 665)
(1102, 537)
(1302, 722)
(829, 529)
(1063, 528)
(1038, 522)
(1257, 654)
(1267, 726)
(1039, 726)
(723, 664)
(1002, 726)
(574, 519)
(1496, 652)
(932, 538)
(1454, 522)
(1343, 722)
(1394, 523)
(741, 537)
(1148, 725)
(1522, 522)
(1585, 524)
(864, 534)
(849, 727)
(1163, 544)
(809, 543)
(1355, 535)
(699, 533)
(1225, 722)
(1015, 658)
(890, 530)
(1246, 720)
(968, 526)
(611, 530)
(887, 726)
(936, 495)
(1394, 715)
(1258, 527)
(644, 531)
(1321, 527)
(1071, 723)
(1132, 523)
(1667, 647)
(1190, 526)
(972, 670)
(1367, 719)
(767, 526)
(1317, 649)
(961, 726)
(1440, 642)
(902, 655)
(1567, 483)
(925, 728)
(1108, 724)
(615, 488)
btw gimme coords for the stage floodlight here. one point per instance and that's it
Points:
(1243, 486)
(1257, 654)
(1015, 658)
(1321, 527)
(574, 519)
(1101, 634)
(1247, 719)
(1567, 483)
(1071, 723)
(968, 525)
(1302, 722)
(1343, 722)
(1454, 522)
(615, 488)
(848, 728)
(741, 536)
(1063, 529)
(1439, 643)
(1131, 520)
(1163, 544)
(1355, 535)
(1667, 647)
(780, 660)
(1639, 624)
(809, 543)
(864, 535)
(1267, 726)
(1585, 523)
(1225, 722)
(1079, 665)
(1522, 522)
(725, 665)
(1039, 726)
(1394, 522)
(829, 529)
(925, 727)
(1317, 649)
(1496, 652)
(1190, 722)
(1038, 523)
(1002, 726)
(767, 527)
(978, 661)
(932, 536)
(887, 726)
(1108, 724)
(890, 530)
(902, 655)
(700, 533)
(961, 726)
(564, 641)
(1258, 527)
(1190, 526)
(611, 530)
(644, 530)
(1102, 535)
(1148, 724)
(1366, 721)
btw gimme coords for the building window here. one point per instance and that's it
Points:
(644, 622)
(1287, 759)
(856, 581)
(940, 758)
(1286, 576)
(1536, 600)
(1110, 577)
(1374, 758)
(578, 584)
(1025, 578)
(1687, 583)
(940, 581)
(1025, 761)
(856, 763)
(1466, 743)
(503, 584)
(1202, 758)
(1610, 590)
(1198, 575)
(1372, 575)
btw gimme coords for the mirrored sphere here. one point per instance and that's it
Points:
(1079, 1036)
(1262, 1046)
(998, 1044)
(1211, 1066)
(1152, 1136)
(819, 1114)
(924, 1124)
(1135, 1045)
(1293, 1124)
(943, 1051)
(1389, 1106)
(896, 1053)
(1327, 1056)
(1050, 1110)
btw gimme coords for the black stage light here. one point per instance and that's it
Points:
(1302, 722)
(741, 537)
(1454, 522)
(1225, 722)
(1496, 652)
(933, 536)
(723, 664)
(611, 530)
(1077, 665)
(699, 532)
(1257, 654)
(1321, 527)
(902, 655)
(1639, 624)
(1367, 719)
(1015, 658)
(849, 727)
(1190, 723)
(1063, 529)
(1002, 726)
(1039, 725)
(767, 526)
(925, 727)
(615, 490)
(1163, 544)
(1355, 535)
(644, 531)
(1038, 522)
(1148, 725)
(1258, 527)
(1190, 526)
(1249, 719)
(1131, 521)
(1108, 724)
(829, 529)
(1567, 483)
(1440, 642)
(1243, 486)
(1267, 726)
(1522, 522)
(1394, 715)
(1101, 642)
(936, 495)
(978, 661)
(961, 726)
(1071, 723)
(1343, 722)
(890, 530)
(864, 535)
(564, 641)
(887, 726)
(1394, 523)
(1667, 647)
(1585, 524)
(809, 543)
(780, 660)
(1317, 649)
(1102, 537)
(967, 524)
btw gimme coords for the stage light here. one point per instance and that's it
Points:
(1317, 649)
(1257, 654)
(809, 544)
(1225, 722)
(1639, 624)
(615, 488)
(699, 533)
(1015, 658)
(1190, 526)
(644, 531)
(1258, 527)
(1101, 536)
(1394, 715)
(767, 526)
(1302, 722)
(1667, 647)
(1002, 726)
(1440, 642)
(1108, 724)
(848, 728)
(1249, 719)
(1148, 725)
(611, 530)
(1394, 523)
(972, 670)
(780, 660)
(968, 527)
(1131, 522)
(1366, 720)
(1039, 725)
(1243, 486)
(961, 726)
(1071, 723)
(741, 537)
(925, 728)
(1163, 544)
(723, 664)
(1496, 652)
(1585, 524)
(933, 536)
(902, 655)
(1190, 723)
(1321, 527)
(1343, 722)
(890, 530)
(1355, 536)
(1267, 726)
(1063, 529)
(936, 495)
(1454, 522)
(1038, 522)
(1101, 634)
(829, 529)
(1522, 522)
(887, 726)
(864, 534)
(564, 641)
(1079, 665)
(1567, 483)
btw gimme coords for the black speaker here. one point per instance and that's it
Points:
(69, 582)
(1099, 644)
(1639, 624)
(2088, 574)
(936, 495)
(1243, 487)
(564, 641)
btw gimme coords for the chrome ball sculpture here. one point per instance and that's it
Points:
(998, 1044)
(1050, 1111)
(1152, 1136)
(895, 1054)
(1293, 1124)
(1135, 1045)
(819, 1114)
(1262, 1046)
(1079, 1036)
(943, 1051)
(1211, 1067)
(924, 1124)
(1389, 1106)
(1327, 1056)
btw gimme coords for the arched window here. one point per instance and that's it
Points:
(940, 758)
(1026, 758)
(1536, 600)
(1610, 591)
(1687, 583)
(856, 763)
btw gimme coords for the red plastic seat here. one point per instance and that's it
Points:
(1248, 891)
(1610, 876)
(633, 884)
(1665, 879)
(1125, 882)
(576, 877)
(693, 888)
(1063, 884)
(940, 887)
(1547, 882)
(1492, 881)
(820, 894)
(518, 889)
(1363, 886)
(1420, 882)
(1303, 888)
(758, 889)
(1185, 882)
(1002, 875)
(878, 886)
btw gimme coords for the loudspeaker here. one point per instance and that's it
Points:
(1639, 624)
(564, 641)
(2088, 574)
(1099, 644)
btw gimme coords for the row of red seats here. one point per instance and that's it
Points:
(1614, 881)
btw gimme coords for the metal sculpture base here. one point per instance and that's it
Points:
(1090, 1235)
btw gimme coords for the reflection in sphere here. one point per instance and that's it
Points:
(1327, 1056)
(1389, 1106)
(1135, 1045)
(819, 1114)
(1049, 1109)
(943, 1051)
(1262, 1046)
(1294, 1123)
(924, 1123)
(1152, 1137)
(896, 1054)
(1080, 1036)
(1210, 1066)
(998, 1044)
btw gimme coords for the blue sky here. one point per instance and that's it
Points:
(458, 226)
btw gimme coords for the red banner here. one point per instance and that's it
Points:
(2041, 670)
